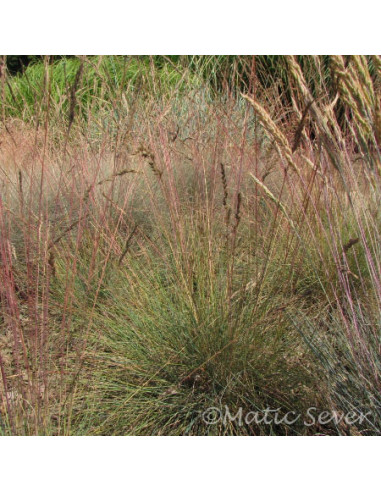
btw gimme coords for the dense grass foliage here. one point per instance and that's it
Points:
(87, 83)
(190, 233)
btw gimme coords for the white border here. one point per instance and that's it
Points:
(173, 464)
(185, 27)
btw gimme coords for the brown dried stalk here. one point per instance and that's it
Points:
(127, 246)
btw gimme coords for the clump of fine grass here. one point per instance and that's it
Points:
(178, 347)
